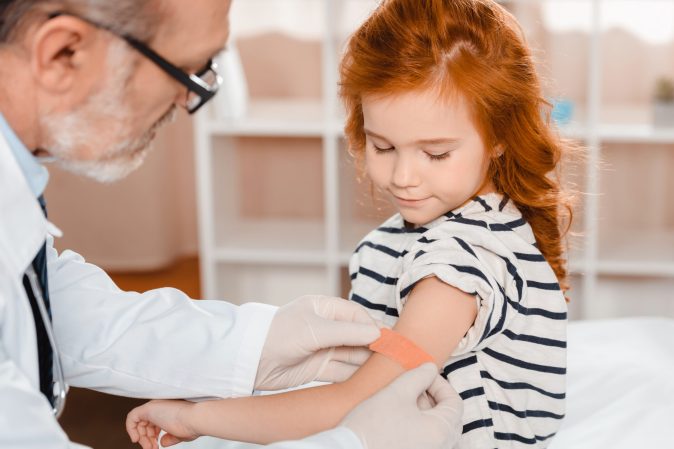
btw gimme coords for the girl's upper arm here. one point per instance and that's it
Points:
(436, 317)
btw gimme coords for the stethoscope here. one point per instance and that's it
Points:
(60, 387)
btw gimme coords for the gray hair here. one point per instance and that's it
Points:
(139, 18)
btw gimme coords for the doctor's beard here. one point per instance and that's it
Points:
(102, 128)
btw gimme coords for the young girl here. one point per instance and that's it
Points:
(446, 114)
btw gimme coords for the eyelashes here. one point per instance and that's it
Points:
(438, 157)
(433, 157)
(382, 150)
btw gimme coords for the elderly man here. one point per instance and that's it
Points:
(86, 83)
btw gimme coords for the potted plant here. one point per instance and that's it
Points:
(663, 112)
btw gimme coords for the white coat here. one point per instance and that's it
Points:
(158, 344)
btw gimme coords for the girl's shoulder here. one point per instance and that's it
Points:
(484, 217)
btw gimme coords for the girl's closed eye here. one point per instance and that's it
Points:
(382, 149)
(438, 157)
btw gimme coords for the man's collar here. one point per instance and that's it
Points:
(23, 226)
(36, 175)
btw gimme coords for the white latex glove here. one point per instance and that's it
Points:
(391, 419)
(315, 338)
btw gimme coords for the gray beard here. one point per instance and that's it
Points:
(96, 139)
(118, 160)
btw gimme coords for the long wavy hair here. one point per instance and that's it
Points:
(476, 49)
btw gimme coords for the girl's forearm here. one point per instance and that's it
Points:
(291, 415)
(266, 419)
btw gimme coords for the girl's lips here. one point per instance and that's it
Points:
(409, 202)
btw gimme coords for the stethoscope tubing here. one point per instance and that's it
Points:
(61, 388)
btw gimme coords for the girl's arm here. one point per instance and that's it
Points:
(436, 317)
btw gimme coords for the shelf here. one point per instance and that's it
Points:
(631, 123)
(637, 253)
(619, 123)
(635, 133)
(270, 283)
(298, 240)
(574, 131)
(631, 254)
(615, 133)
(617, 297)
(252, 256)
(287, 241)
(276, 117)
(635, 268)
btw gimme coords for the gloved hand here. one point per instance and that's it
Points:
(315, 338)
(391, 419)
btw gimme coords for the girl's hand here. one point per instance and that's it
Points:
(144, 423)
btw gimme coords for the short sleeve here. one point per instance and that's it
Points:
(477, 264)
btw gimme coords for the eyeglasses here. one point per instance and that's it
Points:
(201, 86)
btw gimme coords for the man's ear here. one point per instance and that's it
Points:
(61, 49)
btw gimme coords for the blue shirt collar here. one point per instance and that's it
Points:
(36, 175)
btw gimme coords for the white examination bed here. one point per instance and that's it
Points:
(620, 389)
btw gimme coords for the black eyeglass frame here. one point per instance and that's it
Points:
(192, 82)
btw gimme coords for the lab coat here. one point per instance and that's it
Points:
(158, 344)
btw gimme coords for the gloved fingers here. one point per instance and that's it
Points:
(411, 384)
(425, 401)
(337, 371)
(342, 363)
(380, 324)
(353, 355)
(341, 310)
(449, 405)
(328, 333)
(444, 394)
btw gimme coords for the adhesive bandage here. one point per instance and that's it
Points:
(400, 349)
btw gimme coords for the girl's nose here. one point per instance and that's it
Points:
(405, 173)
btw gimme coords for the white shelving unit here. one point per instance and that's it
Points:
(276, 255)
(275, 259)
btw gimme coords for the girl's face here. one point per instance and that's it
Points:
(424, 152)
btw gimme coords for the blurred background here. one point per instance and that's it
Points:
(257, 200)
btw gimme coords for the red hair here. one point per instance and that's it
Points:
(473, 48)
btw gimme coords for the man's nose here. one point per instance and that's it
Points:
(181, 97)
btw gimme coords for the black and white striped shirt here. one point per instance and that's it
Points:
(510, 367)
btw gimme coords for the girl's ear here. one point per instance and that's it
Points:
(498, 151)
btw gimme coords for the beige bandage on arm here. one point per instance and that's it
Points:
(400, 349)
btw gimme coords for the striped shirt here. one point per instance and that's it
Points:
(510, 366)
